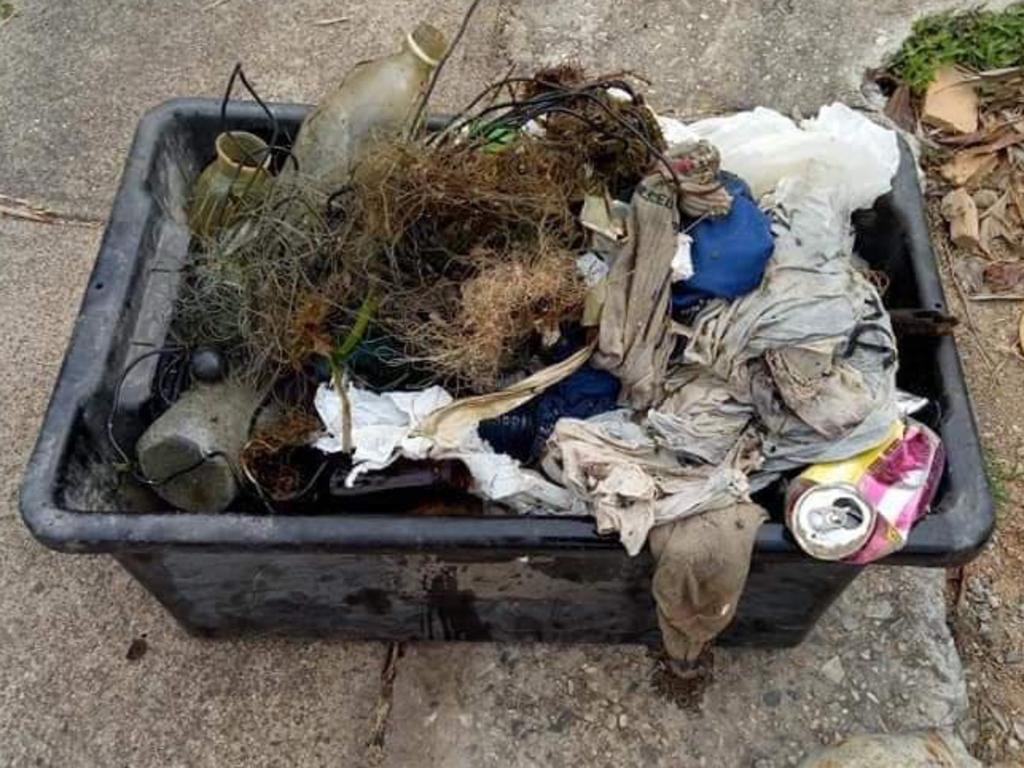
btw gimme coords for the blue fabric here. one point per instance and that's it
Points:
(585, 393)
(729, 252)
(521, 433)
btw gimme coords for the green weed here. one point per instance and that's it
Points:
(998, 482)
(979, 40)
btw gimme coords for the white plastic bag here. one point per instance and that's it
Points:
(381, 424)
(383, 428)
(763, 147)
(818, 173)
(676, 131)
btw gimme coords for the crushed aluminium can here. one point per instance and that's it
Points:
(831, 521)
(896, 480)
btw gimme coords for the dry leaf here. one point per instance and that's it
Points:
(983, 198)
(1017, 193)
(966, 140)
(992, 130)
(1002, 140)
(962, 214)
(951, 102)
(991, 230)
(1001, 88)
(968, 168)
(900, 108)
(1001, 74)
(970, 273)
(1004, 277)
(999, 222)
(17, 208)
(25, 213)
(1020, 332)
(997, 210)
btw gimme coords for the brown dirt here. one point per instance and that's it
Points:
(987, 596)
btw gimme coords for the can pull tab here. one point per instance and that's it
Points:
(842, 514)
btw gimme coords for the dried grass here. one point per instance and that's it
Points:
(464, 246)
(595, 134)
(269, 292)
(512, 298)
(266, 457)
(413, 200)
(472, 253)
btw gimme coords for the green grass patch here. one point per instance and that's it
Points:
(6, 10)
(979, 40)
(998, 479)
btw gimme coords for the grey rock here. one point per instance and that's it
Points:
(833, 670)
(850, 622)
(908, 750)
(881, 610)
(211, 420)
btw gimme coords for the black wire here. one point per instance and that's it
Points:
(161, 385)
(455, 125)
(336, 212)
(523, 119)
(195, 465)
(307, 487)
(126, 460)
(549, 100)
(651, 148)
(122, 454)
(854, 342)
(556, 93)
(273, 149)
(239, 74)
(453, 121)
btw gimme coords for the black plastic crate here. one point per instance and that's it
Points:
(398, 576)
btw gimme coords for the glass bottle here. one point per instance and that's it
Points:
(233, 183)
(377, 99)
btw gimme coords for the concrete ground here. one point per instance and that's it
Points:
(74, 79)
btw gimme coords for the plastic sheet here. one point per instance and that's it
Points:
(384, 427)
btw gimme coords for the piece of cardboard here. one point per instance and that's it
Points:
(951, 102)
(965, 167)
(959, 210)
